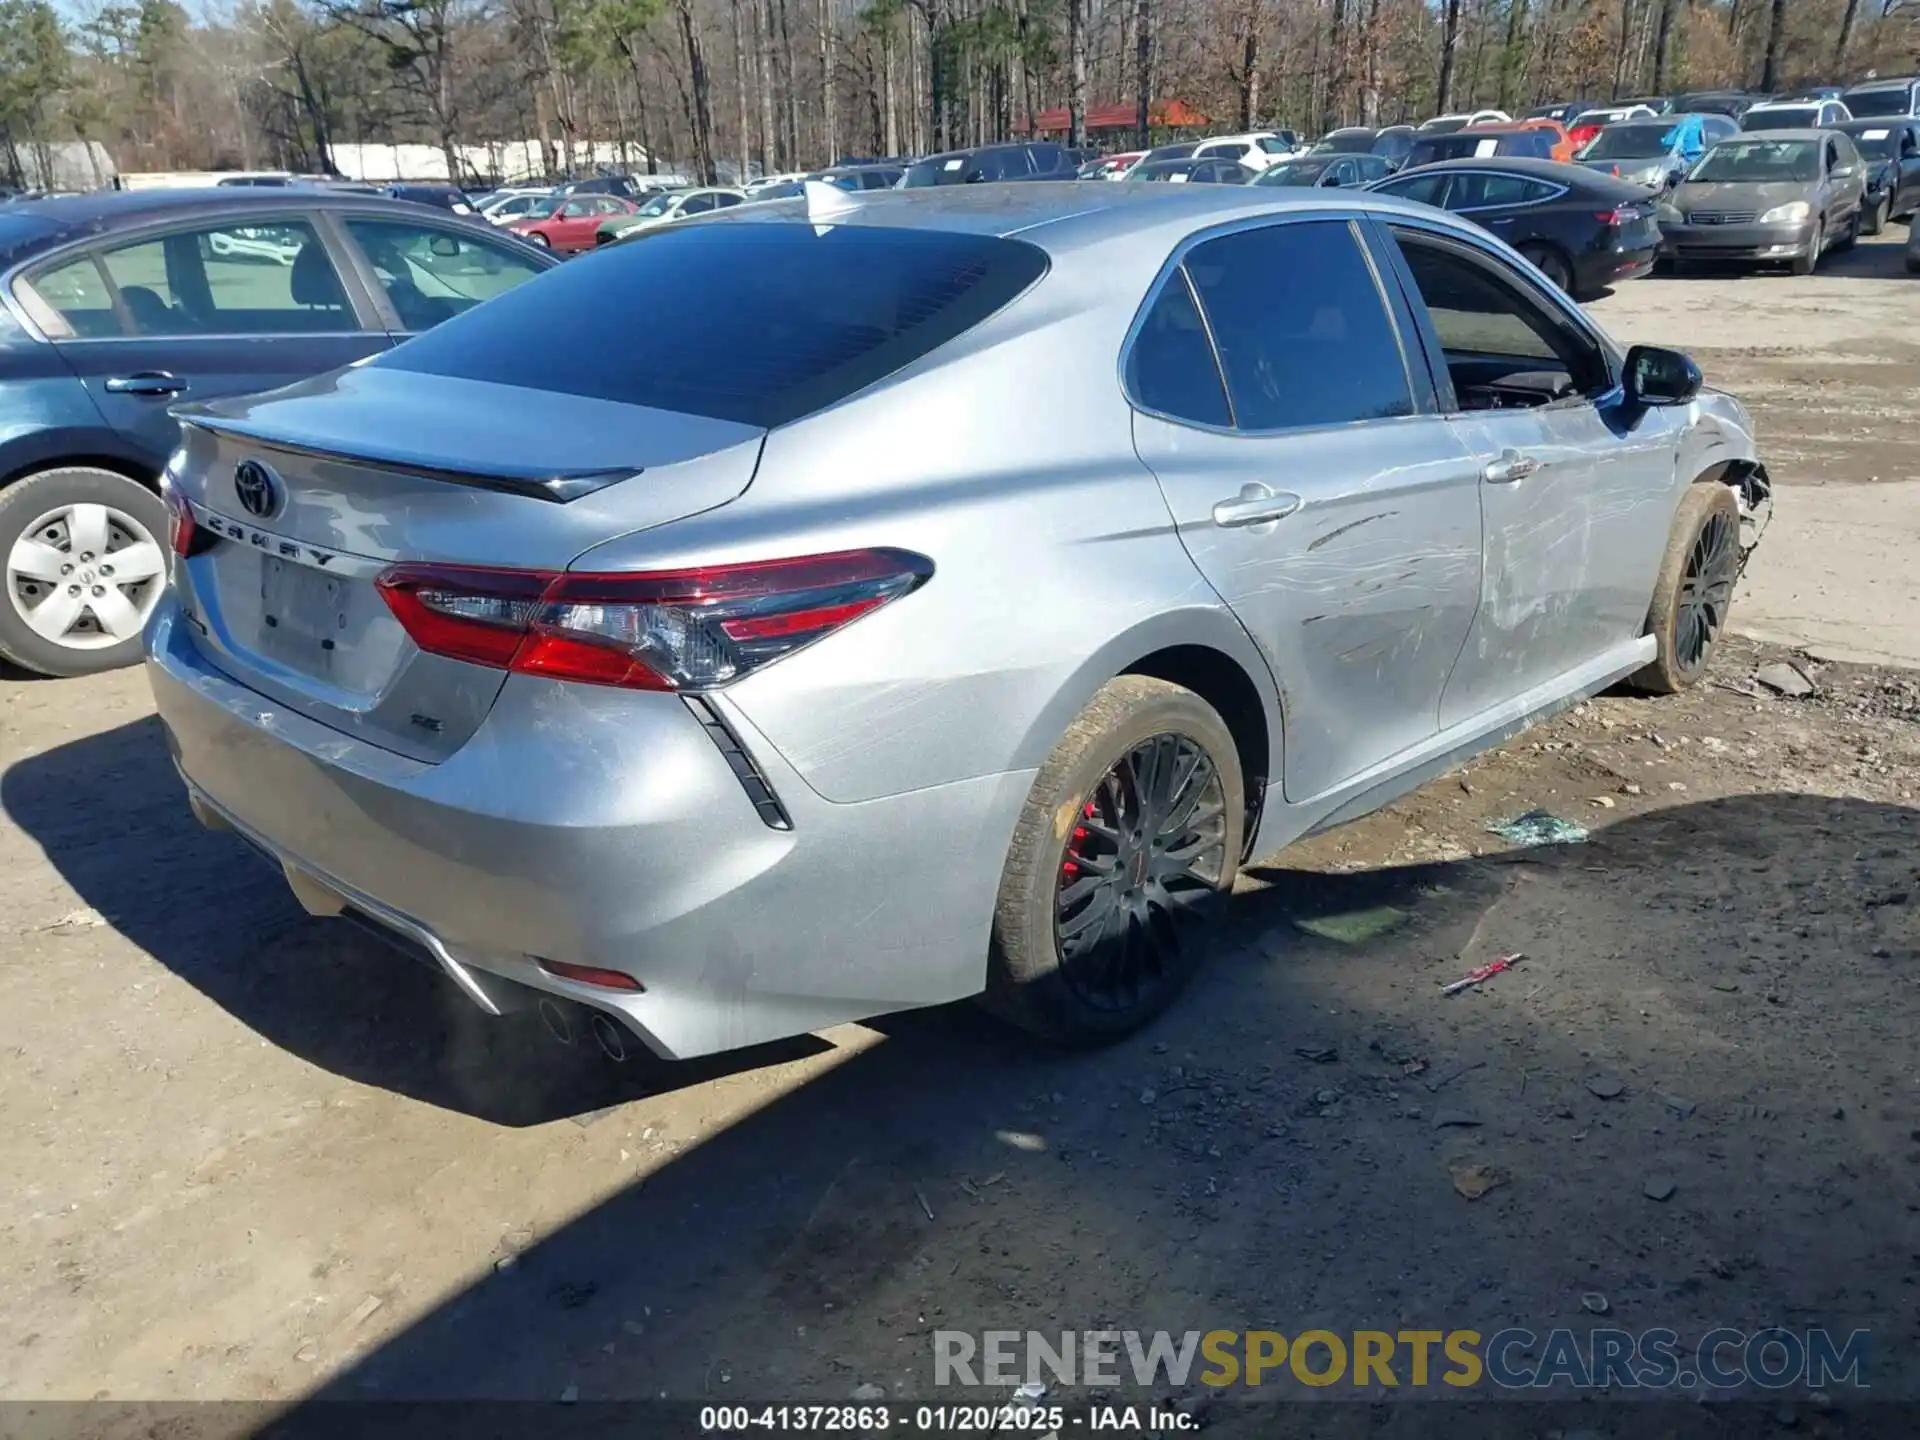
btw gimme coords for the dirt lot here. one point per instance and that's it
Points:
(255, 1157)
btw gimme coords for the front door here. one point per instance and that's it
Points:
(1576, 490)
(1316, 490)
(198, 313)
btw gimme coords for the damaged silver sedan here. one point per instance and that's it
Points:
(935, 593)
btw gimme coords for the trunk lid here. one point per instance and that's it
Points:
(309, 493)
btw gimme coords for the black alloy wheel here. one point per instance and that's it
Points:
(1145, 857)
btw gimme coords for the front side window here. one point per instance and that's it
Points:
(272, 278)
(1171, 367)
(431, 275)
(1491, 328)
(1303, 335)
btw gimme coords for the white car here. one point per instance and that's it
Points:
(1447, 124)
(276, 243)
(1608, 115)
(1795, 115)
(765, 181)
(1256, 150)
(666, 208)
(510, 205)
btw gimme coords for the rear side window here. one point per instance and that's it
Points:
(1427, 189)
(1482, 190)
(1302, 331)
(759, 324)
(1171, 367)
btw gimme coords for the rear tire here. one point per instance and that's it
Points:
(1550, 263)
(1695, 589)
(1876, 219)
(50, 526)
(542, 241)
(1130, 837)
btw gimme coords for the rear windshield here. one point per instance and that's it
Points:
(1878, 102)
(938, 170)
(759, 324)
(1632, 142)
(1785, 117)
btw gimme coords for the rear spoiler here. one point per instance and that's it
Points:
(556, 486)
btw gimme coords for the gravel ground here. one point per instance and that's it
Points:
(256, 1158)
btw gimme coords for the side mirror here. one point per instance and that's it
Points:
(1657, 376)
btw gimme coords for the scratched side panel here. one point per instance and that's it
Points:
(1361, 598)
(1571, 550)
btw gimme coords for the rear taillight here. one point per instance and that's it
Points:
(651, 630)
(181, 531)
(1621, 215)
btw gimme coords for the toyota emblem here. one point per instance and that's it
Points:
(258, 488)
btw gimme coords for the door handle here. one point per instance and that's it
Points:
(1508, 468)
(1255, 505)
(146, 382)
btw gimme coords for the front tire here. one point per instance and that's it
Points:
(83, 562)
(1851, 235)
(1807, 263)
(1876, 218)
(1130, 837)
(1694, 591)
(542, 241)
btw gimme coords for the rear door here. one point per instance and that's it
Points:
(1576, 491)
(199, 311)
(1499, 202)
(1316, 490)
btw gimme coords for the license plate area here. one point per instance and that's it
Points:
(303, 614)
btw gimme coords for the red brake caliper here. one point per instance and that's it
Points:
(1070, 867)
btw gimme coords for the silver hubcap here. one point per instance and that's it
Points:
(85, 576)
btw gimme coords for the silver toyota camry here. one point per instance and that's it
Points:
(861, 602)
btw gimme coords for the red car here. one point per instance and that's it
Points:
(568, 224)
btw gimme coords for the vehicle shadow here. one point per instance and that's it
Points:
(1285, 1149)
(213, 911)
(1881, 257)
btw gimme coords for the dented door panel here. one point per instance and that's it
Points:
(1572, 549)
(1360, 598)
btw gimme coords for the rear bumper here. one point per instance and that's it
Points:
(1612, 267)
(605, 828)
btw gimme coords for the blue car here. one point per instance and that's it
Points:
(116, 305)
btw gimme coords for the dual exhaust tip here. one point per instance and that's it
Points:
(566, 1029)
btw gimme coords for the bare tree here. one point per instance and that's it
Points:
(1077, 72)
(1770, 67)
(1449, 45)
(1143, 67)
